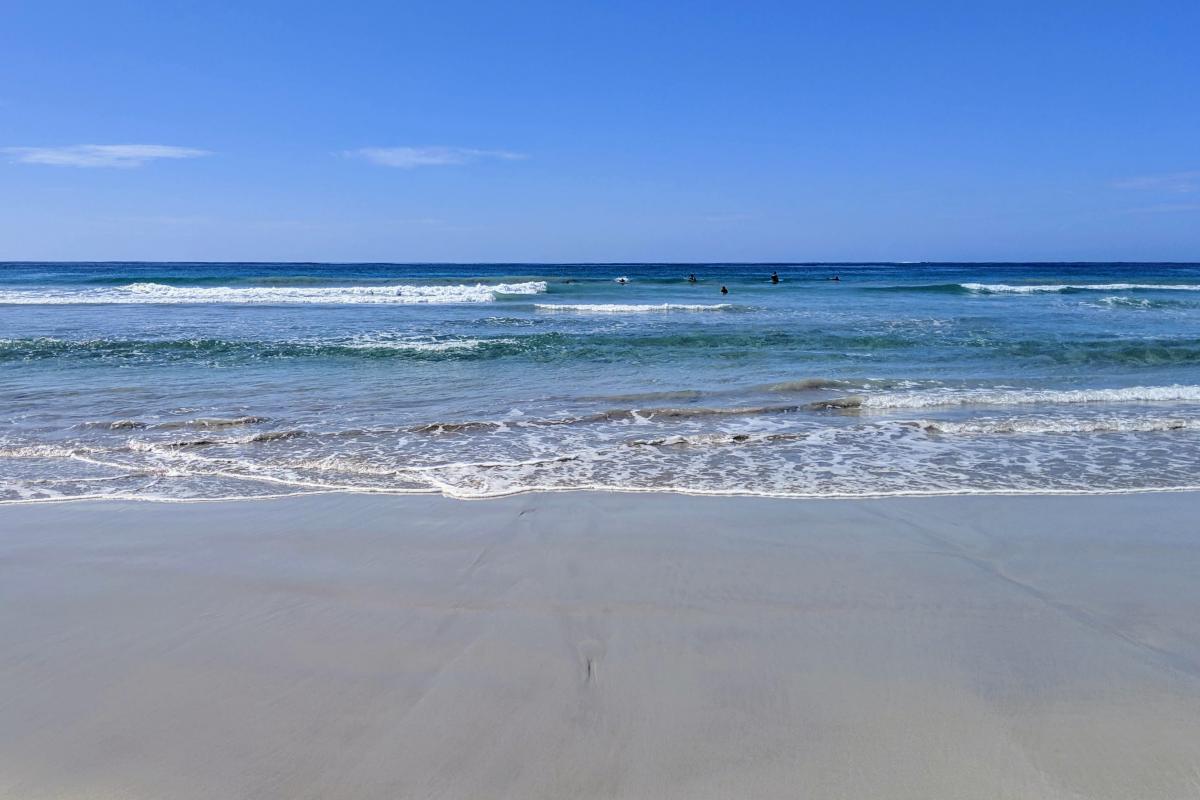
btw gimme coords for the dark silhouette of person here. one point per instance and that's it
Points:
(692, 278)
(774, 277)
(835, 278)
(724, 290)
(622, 281)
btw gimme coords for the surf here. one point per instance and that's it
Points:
(158, 293)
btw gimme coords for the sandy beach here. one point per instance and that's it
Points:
(602, 645)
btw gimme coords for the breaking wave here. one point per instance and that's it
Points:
(253, 438)
(151, 293)
(1050, 288)
(202, 423)
(629, 415)
(1059, 426)
(624, 308)
(378, 342)
(1034, 288)
(1014, 397)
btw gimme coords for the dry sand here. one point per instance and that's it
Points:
(591, 645)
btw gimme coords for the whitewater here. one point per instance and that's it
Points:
(138, 293)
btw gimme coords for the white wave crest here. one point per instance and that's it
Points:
(623, 308)
(37, 451)
(1052, 426)
(385, 342)
(167, 446)
(1015, 397)
(270, 295)
(1131, 302)
(1006, 288)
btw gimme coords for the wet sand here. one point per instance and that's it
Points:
(593, 645)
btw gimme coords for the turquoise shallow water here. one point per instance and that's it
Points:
(182, 381)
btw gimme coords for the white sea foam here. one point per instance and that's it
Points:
(701, 440)
(37, 451)
(804, 457)
(149, 293)
(1010, 397)
(1005, 288)
(623, 308)
(386, 342)
(1053, 426)
(1131, 302)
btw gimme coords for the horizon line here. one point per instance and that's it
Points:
(184, 262)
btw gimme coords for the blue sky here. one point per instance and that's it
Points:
(600, 131)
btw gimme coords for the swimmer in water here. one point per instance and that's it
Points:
(622, 281)
(774, 277)
(692, 278)
(724, 290)
(835, 278)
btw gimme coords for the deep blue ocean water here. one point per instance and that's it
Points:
(188, 381)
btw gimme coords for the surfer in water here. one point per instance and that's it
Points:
(774, 277)
(724, 290)
(692, 278)
(622, 281)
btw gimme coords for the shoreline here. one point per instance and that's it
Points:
(544, 490)
(602, 645)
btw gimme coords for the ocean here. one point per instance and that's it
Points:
(204, 381)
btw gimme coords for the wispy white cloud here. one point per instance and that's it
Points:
(158, 219)
(728, 218)
(99, 155)
(1181, 182)
(435, 156)
(1166, 208)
